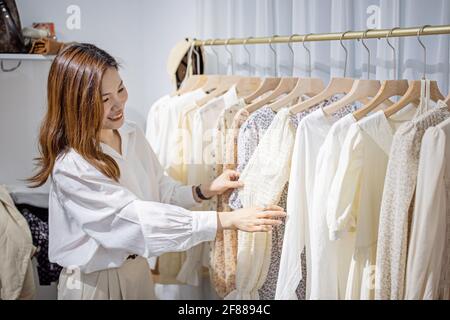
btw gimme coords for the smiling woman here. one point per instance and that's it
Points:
(111, 206)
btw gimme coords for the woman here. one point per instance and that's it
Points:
(111, 207)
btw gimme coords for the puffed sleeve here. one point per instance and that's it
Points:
(342, 200)
(116, 219)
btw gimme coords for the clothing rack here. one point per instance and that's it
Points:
(348, 35)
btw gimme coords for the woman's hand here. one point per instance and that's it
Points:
(227, 180)
(255, 219)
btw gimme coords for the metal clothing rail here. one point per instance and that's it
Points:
(348, 35)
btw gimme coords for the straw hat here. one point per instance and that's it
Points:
(178, 60)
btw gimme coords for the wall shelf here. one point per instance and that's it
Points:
(25, 56)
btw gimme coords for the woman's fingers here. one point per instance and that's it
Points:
(263, 228)
(232, 174)
(271, 214)
(271, 207)
(235, 184)
(274, 207)
(272, 222)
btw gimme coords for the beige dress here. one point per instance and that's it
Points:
(16, 251)
(428, 264)
(224, 250)
(396, 207)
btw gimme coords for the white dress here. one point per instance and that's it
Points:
(428, 263)
(355, 195)
(95, 223)
(330, 260)
(311, 133)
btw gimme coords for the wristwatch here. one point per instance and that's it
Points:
(199, 193)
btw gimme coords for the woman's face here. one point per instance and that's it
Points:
(114, 96)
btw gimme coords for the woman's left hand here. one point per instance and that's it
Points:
(227, 180)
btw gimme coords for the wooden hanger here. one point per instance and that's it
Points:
(246, 85)
(413, 94)
(389, 88)
(194, 82)
(336, 86)
(212, 82)
(414, 90)
(360, 90)
(447, 100)
(225, 84)
(286, 85)
(267, 84)
(307, 86)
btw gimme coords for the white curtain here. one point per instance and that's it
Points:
(245, 18)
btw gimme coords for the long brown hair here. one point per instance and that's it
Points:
(75, 110)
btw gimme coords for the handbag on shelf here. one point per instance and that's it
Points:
(11, 39)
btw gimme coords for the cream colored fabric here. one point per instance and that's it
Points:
(264, 178)
(396, 208)
(428, 263)
(310, 135)
(162, 121)
(330, 260)
(131, 281)
(355, 195)
(95, 223)
(16, 251)
(161, 132)
(223, 255)
(201, 171)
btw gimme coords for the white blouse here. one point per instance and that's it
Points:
(95, 223)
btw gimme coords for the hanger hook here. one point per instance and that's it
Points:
(424, 50)
(345, 50)
(394, 51)
(249, 55)
(197, 54)
(364, 35)
(216, 54)
(292, 51)
(230, 54)
(309, 53)
(274, 54)
(189, 63)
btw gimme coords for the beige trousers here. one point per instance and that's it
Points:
(131, 281)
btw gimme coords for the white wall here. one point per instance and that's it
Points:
(140, 33)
